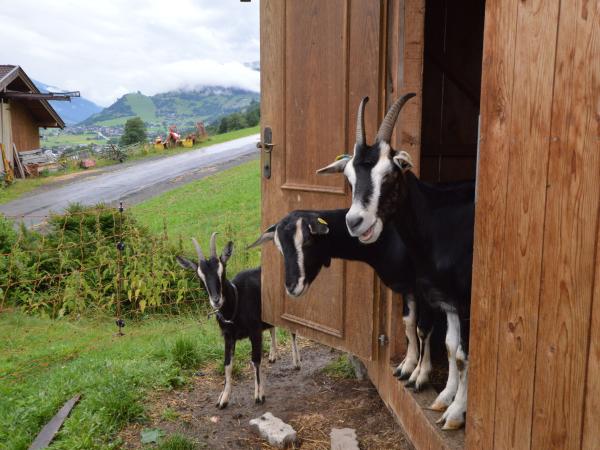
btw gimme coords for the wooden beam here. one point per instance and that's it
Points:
(60, 96)
(49, 431)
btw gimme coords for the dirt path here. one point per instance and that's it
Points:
(311, 401)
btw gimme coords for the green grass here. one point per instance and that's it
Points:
(43, 363)
(177, 442)
(340, 368)
(21, 187)
(227, 202)
(71, 139)
(142, 107)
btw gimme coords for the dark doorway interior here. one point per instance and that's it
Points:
(451, 89)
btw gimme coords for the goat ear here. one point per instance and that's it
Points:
(227, 252)
(403, 161)
(318, 227)
(186, 263)
(268, 235)
(337, 166)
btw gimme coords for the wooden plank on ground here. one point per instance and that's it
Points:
(496, 110)
(570, 231)
(49, 431)
(537, 23)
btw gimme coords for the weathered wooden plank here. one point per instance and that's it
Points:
(571, 224)
(45, 436)
(537, 23)
(496, 114)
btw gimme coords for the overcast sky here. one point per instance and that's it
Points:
(106, 48)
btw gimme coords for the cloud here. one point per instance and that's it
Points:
(106, 49)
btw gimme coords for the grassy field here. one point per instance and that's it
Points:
(21, 187)
(45, 362)
(227, 202)
(71, 139)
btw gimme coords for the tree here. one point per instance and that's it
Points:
(135, 131)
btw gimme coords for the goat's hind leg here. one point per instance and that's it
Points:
(273, 347)
(420, 376)
(295, 353)
(409, 317)
(228, 364)
(259, 394)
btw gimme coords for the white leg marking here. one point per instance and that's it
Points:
(425, 371)
(408, 365)
(273, 348)
(415, 374)
(455, 414)
(445, 397)
(259, 394)
(295, 353)
(224, 397)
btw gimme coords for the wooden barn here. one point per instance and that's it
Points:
(508, 91)
(23, 110)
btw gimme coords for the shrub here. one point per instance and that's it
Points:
(74, 266)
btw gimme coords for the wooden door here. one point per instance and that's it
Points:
(318, 59)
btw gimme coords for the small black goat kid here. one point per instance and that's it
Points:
(237, 307)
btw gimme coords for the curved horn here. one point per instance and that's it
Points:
(387, 126)
(360, 122)
(198, 250)
(213, 244)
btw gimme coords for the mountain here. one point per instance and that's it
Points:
(179, 108)
(72, 112)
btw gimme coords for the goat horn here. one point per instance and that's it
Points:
(360, 122)
(387, 126)
(198, 250)
(213, 244)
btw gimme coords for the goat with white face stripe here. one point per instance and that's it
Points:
(435, 221)
(308, 240)
(237, 305)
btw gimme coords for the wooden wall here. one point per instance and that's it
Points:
(25, 130)
(534, 362)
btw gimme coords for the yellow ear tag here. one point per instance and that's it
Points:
(344, 156)
(321, 221)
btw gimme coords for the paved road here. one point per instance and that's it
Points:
(133, 182)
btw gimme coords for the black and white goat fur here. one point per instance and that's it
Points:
(308, 240)
(237, 306)
(436, 224)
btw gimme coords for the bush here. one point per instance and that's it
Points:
(74, 266)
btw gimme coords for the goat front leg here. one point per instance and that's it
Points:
(420, 376)
(454, 416)
(273, 348)
(295, 353)
(259, 394)
(228, 364)
(409, 317)
(445, 398)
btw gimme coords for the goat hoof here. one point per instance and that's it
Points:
(222, 405)
(297, 367)
(438, 406)
(410, 384)
(259, 400)
(452, 425)
(271, 361)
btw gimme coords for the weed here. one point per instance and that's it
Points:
(340, 368)
(185, 353)
(170, 415)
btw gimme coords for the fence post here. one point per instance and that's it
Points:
(120, 247)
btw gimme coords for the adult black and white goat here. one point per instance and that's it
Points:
(436, 225)
(308, 240)
(237, 307)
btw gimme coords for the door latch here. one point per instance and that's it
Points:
(383, 340)
(267, 146)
